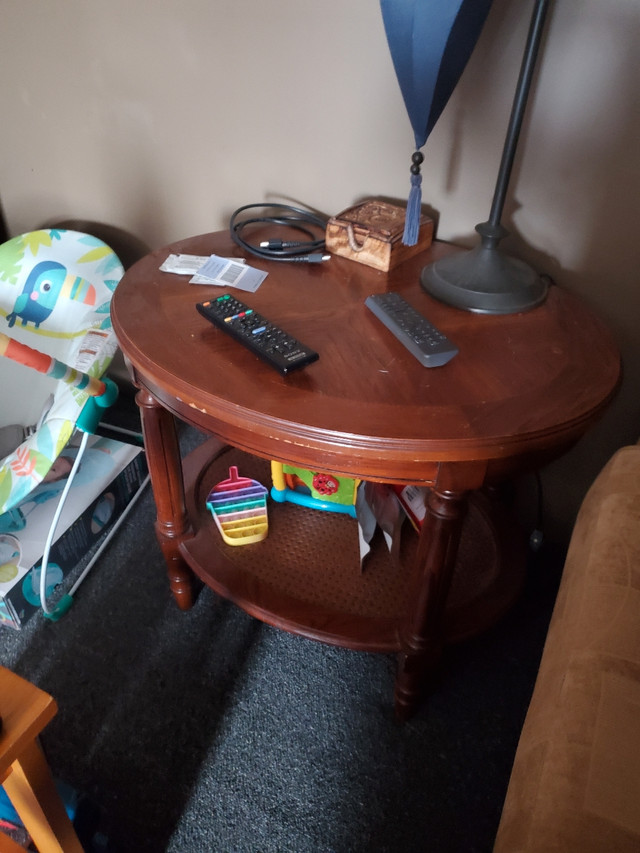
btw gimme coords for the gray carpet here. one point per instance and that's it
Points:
(208, 731)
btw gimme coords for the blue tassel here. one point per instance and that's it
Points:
(414, 210)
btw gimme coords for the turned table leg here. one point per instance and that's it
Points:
(422, 633)
(165, 468)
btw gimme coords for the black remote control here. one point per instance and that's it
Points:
(415, 332)
(264, 339)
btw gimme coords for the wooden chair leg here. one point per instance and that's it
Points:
(33, 794)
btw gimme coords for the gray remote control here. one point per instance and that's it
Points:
(415, 332)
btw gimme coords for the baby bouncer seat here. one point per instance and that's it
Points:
(55, 294)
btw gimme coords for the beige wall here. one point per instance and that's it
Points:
(163, 117)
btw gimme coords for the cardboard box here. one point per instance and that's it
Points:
(109, 477)
(412, 500)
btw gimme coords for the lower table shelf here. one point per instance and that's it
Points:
(306, 578)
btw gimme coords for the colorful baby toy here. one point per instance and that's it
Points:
(313, 489)
(239, 508)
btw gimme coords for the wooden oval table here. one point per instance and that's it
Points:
(521, 391)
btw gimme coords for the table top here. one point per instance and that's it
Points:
(521, 385)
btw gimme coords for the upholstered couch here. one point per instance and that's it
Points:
(575, 782)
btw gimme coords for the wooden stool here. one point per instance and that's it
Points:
(24, 772)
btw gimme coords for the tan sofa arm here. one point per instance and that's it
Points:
(575, 783)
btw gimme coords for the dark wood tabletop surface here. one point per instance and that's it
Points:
(521, 384)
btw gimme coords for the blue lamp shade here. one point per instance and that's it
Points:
(430, 42)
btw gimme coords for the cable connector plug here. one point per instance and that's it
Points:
(277, 245)
(315, 258)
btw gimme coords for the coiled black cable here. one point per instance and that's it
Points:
(310, 250)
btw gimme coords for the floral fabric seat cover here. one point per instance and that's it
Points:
(55, 295)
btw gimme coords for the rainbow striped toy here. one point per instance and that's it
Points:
(239, 508)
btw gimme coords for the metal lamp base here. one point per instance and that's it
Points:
(484, 280)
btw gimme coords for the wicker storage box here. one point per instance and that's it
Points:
(371, 233)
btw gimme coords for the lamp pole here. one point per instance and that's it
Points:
(483, 279)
